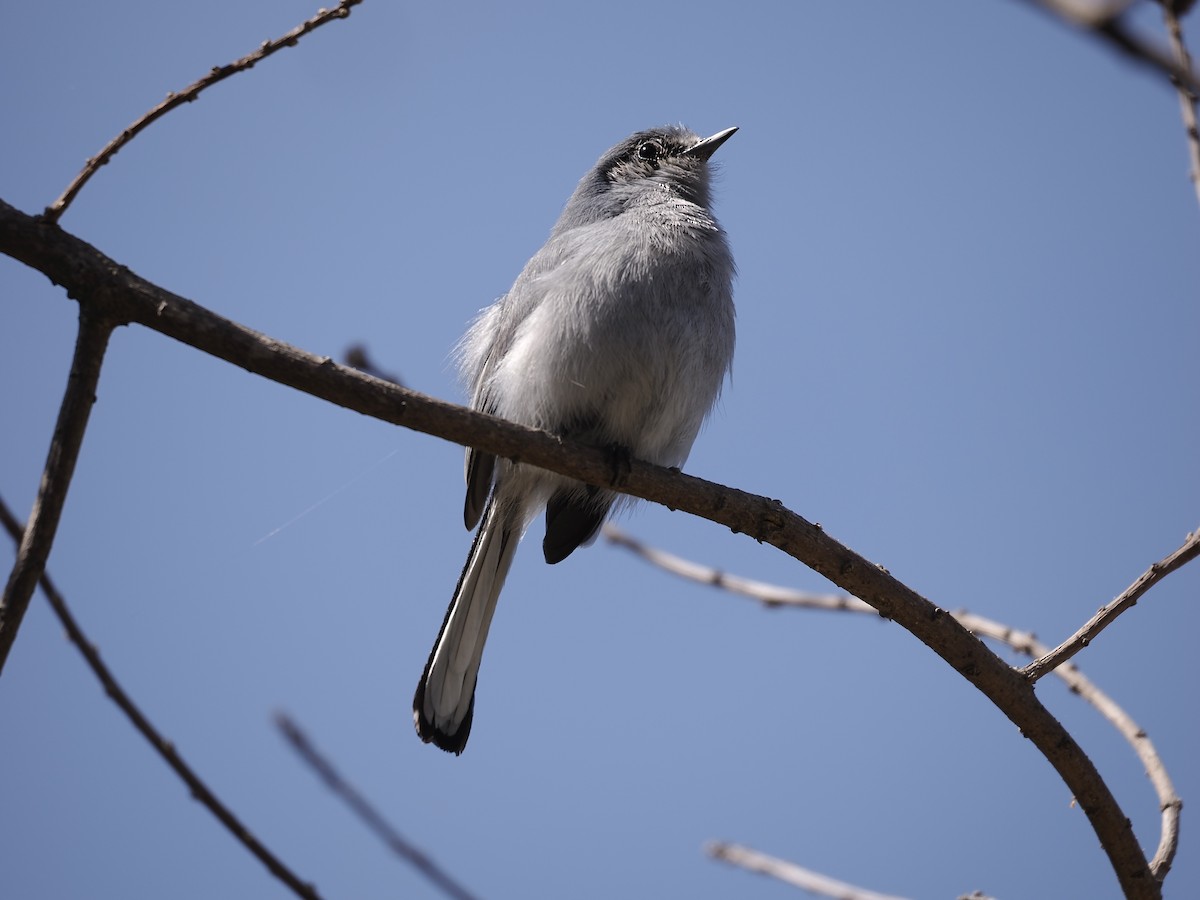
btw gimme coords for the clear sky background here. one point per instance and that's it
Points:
(968, 328)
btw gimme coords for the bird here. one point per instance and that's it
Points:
(618, 333)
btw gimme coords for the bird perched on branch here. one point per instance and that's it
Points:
(618, 333)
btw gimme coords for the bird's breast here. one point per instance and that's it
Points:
(631, 329)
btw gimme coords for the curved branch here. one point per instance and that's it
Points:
(34, 550)
(219, 73)
(772, 595)
(1169, 803)
(94, 279)
(164, 748)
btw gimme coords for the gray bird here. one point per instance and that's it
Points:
(618, 333)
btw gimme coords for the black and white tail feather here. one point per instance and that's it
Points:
(445, 701)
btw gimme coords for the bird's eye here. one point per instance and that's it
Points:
(650, 150)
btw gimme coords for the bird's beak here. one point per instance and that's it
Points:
(709, 145)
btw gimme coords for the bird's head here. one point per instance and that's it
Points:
(670, 160)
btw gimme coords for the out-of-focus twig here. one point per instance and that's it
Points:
(1106, 22)
(1172, 10)
(164, 748)
(358, 357)
(1022, 641)
(219, 73)
(34, 550)
(1108, 613)
(362, 808)
(790, 873)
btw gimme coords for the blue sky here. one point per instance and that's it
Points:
(968, 328)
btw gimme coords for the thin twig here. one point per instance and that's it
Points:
(362, 808)
(1187, 96)
(768, 594)
(790, 873)
(166, 749)
(1107, 25)
(1108, 613)
(219, 73)
(80, 394)
(91, 277)
(774, 596)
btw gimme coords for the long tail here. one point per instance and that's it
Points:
(445, 700)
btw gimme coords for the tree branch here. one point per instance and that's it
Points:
(1169, 803)
(1187, 95)
(95, 279)
(1106, 24)
(166, 749)
(219, 73)
(771, 595)
(790, 873)
(366, 813)
(80, 394)
(1108, 613)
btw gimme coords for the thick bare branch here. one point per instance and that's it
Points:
(94, 279)
(90, 344)
(164, 748)
(366, 813)
(219, 73)
(1108, 613)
